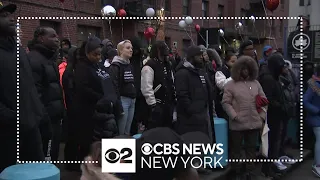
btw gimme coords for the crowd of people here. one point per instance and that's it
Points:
(102, 90)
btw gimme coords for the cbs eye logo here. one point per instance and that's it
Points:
(113, 156)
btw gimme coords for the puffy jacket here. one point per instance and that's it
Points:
(46, 76)
(105, 123)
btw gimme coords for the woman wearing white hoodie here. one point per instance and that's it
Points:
(122, 73)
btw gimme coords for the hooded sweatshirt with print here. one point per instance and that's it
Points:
(122, 73)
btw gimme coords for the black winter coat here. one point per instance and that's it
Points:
(194, 99)
(104, 120)
(269, 80)
(46, 75)
(30, 107)
(89, 89)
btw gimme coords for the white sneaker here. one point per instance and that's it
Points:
(316, 170)
(280, 166)
(287, 160)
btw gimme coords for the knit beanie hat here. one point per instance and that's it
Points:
(92, 44)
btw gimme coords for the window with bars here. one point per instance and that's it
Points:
(220, 12)
(84, 32)
(205, 8)
(301, 3)
(186, 7)
(54, 25)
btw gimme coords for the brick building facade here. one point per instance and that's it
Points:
(79, 30)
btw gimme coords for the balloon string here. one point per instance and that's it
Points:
(225, 41)
(269, 21)
(240, 35)
(110, 29)
(189, 36)
(122, 27)
(190, 31)
(202, 38)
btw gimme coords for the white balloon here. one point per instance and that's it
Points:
(150, 12)
(221, 32)
(108, 11)
(182, 24)
(188, 20)
(252, 19)
(239, 26)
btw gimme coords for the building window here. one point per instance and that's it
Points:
(108, 2)
(220, 13)
(84, 32)
(205, 9)
(301, 3)
(54, 25)
(167, 5)
(282, 4)
(186, 9)
(309, 2)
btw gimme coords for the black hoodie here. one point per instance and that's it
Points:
(269, 80)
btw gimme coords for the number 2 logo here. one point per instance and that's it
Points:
(113, 155)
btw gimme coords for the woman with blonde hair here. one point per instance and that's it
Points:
(122, 73)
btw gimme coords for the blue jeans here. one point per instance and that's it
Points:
(124, 123)
(316, 131)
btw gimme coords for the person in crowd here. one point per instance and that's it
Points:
(309, 138)
(92, 171)
(266, 52)
(65, 45)
(194, 95)
(136, 62)
(246, 119)
(277, 110)
(247, 49)
(31, 108)
(291, 102)
(222, 77)
(157, 87)
(107, 45)
(43, 57)
(122, 73)
(176, 59)
(311, 103)
(70, 150)
(93, 88)
(110, 55)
